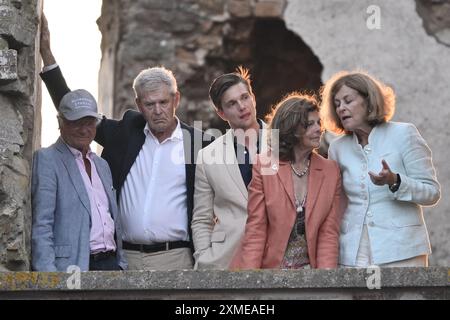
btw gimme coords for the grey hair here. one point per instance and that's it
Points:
(151, 79)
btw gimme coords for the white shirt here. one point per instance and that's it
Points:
(153, 199)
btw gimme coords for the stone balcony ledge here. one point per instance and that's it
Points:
(386, 283)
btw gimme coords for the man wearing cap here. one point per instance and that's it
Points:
(152, 156)
(75, 216)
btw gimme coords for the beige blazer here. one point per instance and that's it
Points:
(220, 204)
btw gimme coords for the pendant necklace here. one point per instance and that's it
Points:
(299, 204)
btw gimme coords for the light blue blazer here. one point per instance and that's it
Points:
(62, 213)
(395, 221)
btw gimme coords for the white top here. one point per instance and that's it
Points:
(153, 199)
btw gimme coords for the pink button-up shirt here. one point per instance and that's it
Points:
(102, 230)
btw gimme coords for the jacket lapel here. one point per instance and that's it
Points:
(103, 173)
(315, 181)
(135, 143)
(229, 158)
(285, 176)
(189, 146)
(74, 173)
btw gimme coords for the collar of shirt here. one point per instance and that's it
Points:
(260, 123)
(77, 153)
(177, 134)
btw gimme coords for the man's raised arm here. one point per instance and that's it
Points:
(51, 73)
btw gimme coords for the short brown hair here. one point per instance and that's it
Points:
(227, 80)
(380, 99)
(287, 116)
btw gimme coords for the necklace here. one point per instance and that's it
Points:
(299, 204)
(303, 172)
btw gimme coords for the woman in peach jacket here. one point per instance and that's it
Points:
(294, 207)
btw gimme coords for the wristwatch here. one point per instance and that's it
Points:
(394, 187)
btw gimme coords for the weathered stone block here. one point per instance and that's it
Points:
(8, 64)
(17, 22)
(209, 42)
(240, 8)
(6, 11)
(159, 4)
(183, 55)
(269, 9)
(3, 44)
(215, 7)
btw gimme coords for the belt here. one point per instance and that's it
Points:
(102, 255)
(161, 246)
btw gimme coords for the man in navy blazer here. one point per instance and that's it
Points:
(75, 216)
(152, 159)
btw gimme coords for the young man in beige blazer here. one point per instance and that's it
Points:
(223, 172)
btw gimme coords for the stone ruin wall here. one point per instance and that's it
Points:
(288, 45)
(199, 40)
(19, 127)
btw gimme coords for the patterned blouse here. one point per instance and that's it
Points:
(296, 255)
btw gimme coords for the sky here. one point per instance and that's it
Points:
(75, 41)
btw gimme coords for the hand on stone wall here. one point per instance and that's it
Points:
(45, 49)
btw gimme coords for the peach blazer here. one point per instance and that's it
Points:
(271, 214)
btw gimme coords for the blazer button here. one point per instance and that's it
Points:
(371, 224)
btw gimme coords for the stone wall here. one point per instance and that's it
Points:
(289, 45)
(19, 127)
(199, 40)
(344, 284)
(436, 18)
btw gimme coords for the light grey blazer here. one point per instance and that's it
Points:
(62, 213)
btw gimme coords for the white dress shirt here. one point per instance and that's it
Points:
(153, 199)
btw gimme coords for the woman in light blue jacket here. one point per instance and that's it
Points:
(387, 173)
